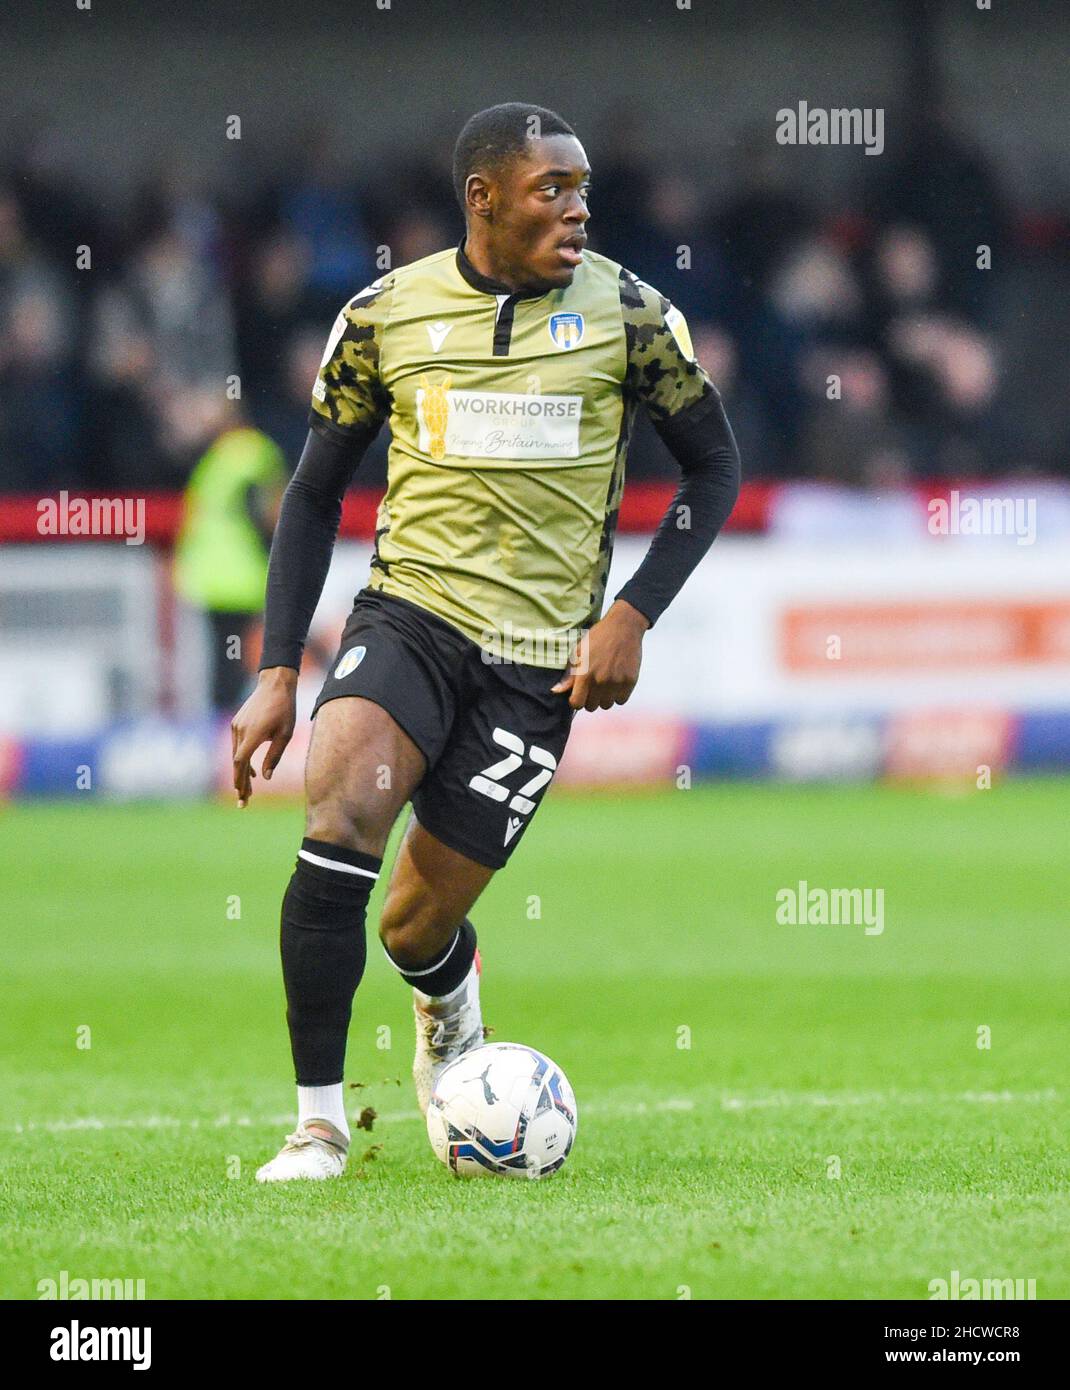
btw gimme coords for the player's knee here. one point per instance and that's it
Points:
(341, 820)
(413, 930)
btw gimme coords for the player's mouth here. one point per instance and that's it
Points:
(571, 249)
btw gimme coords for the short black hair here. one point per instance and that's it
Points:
(492, 137)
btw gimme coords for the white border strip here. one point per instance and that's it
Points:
(431, 968)
(334, 864)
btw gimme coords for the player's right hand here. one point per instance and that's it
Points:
(268, 716)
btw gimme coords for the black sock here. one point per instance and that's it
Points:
(447, 970)
(323, 954)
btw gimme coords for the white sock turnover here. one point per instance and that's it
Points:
(322, 1103)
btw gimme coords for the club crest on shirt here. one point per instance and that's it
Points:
(566, 330)
(349, 662)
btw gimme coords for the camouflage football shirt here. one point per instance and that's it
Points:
(510, 417)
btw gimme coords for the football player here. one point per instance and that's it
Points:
(509, 369)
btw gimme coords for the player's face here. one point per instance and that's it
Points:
(541, 212)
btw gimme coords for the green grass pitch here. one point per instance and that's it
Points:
(706, 1170)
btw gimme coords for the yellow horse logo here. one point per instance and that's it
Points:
(436, 412)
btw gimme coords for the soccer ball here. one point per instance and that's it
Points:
(502, 1110)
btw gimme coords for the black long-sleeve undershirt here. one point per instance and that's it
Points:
(701, 441)
(304, 539)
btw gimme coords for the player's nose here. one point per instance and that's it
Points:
(577, 210)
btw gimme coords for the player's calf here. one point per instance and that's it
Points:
(323, 917)
(446, 1007)
(323, 957)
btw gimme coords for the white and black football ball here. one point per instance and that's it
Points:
(502, 1110)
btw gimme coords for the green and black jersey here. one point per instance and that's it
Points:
(510, 417)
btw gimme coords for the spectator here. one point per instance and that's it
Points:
(851, 435)
(273, 304)
(891, 301)
(322, 209)
(676, 255)
(40, 404)
(221, 557)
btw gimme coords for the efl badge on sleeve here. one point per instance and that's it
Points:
(677, 326)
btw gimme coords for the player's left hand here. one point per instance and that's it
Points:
(604, 667)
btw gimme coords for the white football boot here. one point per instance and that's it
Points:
(446, 1028)
(307, 1155)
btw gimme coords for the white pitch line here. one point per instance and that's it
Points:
(779, 1100)
(93, 1123)
(846, 1099)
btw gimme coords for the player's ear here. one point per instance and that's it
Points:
(477, 195)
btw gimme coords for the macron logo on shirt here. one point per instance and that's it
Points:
(437, 333)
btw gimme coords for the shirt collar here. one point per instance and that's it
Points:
(484, 283)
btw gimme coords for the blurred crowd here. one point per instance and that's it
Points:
(862, 343)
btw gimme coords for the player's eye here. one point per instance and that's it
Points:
(553, 189)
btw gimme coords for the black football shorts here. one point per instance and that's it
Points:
(492, 732)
